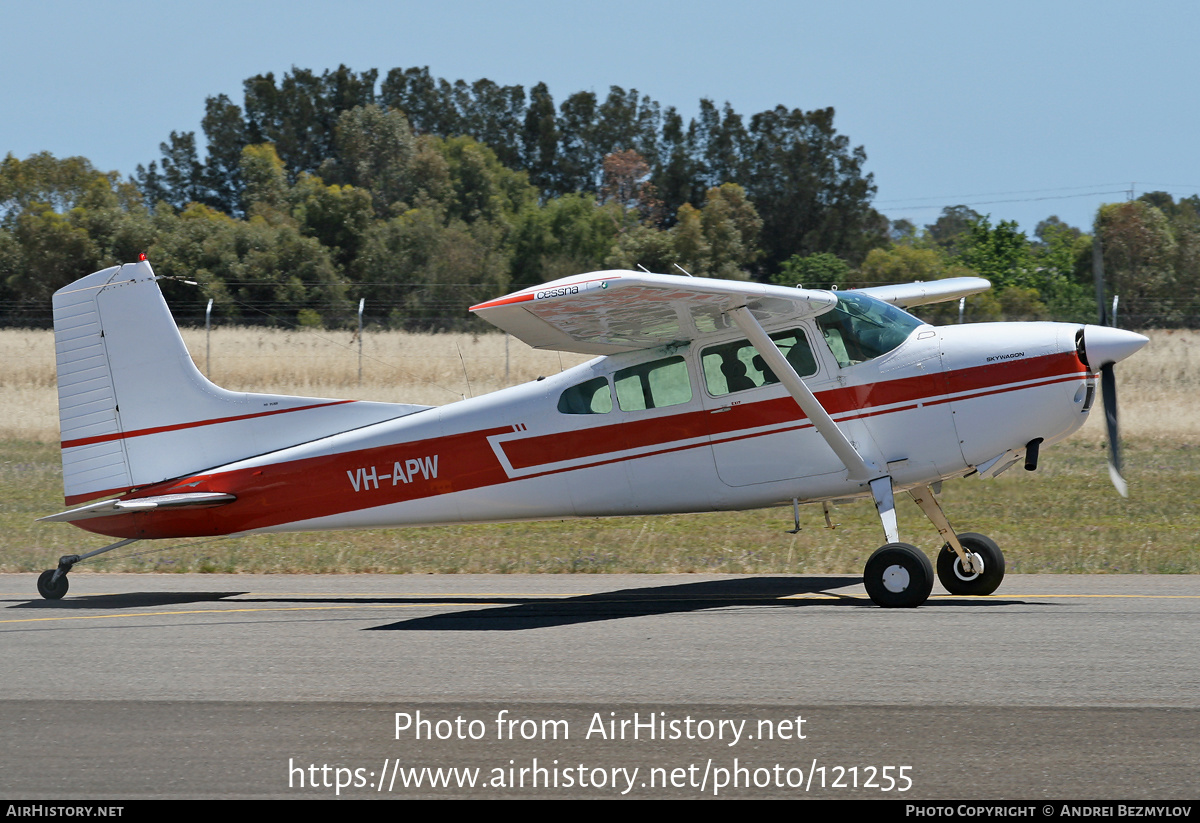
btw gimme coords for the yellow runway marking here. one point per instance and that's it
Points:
(1007, 596)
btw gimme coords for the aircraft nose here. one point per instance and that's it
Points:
(1103, 345)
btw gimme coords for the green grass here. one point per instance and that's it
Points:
(1066, 517)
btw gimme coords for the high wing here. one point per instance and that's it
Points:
(615, 311)
(905, 295)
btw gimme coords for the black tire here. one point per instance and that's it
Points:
(49, 590)
(950, 570)
(898, 576)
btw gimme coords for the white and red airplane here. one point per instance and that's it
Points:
(709, 395)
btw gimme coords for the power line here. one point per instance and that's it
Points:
(1096, 190)
(914, 207)
(1006, 193)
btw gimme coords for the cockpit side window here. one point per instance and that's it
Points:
(861, 328)
(737, 366)
(653, 385)
(592, 397)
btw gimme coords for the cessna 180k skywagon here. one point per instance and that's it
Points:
(707, 395)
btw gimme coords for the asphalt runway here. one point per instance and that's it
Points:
(597, 686)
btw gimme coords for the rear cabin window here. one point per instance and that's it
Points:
(592, 397)
(737, 366)
(653, 385)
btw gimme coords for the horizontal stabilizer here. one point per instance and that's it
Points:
(615, 311)
(108, 508)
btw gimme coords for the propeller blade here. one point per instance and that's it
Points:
(1108, 389)
(1100, 347)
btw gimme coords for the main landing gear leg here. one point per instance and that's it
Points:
(897, 575)
(52, 584)
(968, 563)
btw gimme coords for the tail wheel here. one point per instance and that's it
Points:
(957, 580)
(898, 576)
(50, 588)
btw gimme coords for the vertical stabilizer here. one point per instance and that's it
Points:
(135, 410)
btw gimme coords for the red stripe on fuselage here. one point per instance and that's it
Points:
(314, 487)
(593, 441)
(105, 438)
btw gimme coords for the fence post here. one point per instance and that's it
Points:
(208, 339)
(361, 302)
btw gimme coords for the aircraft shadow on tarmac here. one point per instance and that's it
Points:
(126, 600)
(521, 612)
(642, 602)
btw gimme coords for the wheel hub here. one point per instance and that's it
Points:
(963, 574)
(896, 579)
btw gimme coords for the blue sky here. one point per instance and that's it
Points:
(1020, 109)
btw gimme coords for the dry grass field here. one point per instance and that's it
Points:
(1065, 517)
(397, 367)
(1158, 386)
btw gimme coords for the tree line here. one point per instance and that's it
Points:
(423, 196)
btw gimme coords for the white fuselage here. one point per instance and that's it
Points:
(945, 401)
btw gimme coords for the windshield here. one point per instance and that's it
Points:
(860, 328)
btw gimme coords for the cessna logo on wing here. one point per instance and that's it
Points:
(368, 477)
(559, 292)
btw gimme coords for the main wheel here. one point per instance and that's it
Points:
(52, 590)
(957, 580)
(898, 576)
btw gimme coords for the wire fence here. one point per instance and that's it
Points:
(399, 315)
(448, 310)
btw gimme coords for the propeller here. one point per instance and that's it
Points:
(1108, 389)
(1108, 379)
(1100, 347)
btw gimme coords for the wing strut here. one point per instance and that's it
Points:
(859, 468)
